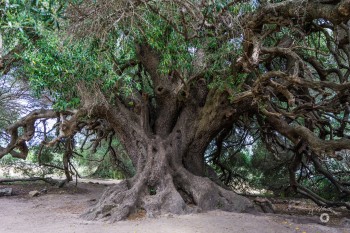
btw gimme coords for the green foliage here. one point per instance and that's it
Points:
(255, 168)
(50, 70)
(27, 168)
(9, 110)
(7, 159)
(105, 170)
(23, 19)
(22, 14)
(172, 45)
(55, 63)
(102, 164)
(239, 172)
(323, 186)
(274, 173)
(259, 169)
(54, 66)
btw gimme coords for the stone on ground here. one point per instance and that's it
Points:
(34, 193)
(6, 192)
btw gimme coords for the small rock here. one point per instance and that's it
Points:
(345, 222)
(62, 183)
(260, 200)
(265, 204)
(6, 192)
(34, 193)
(297, 202)
(44, 190)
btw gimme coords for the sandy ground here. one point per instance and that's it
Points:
(58, 212)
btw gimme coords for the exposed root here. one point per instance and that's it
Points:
(116, 203)
(180, 194)
(209, 196)
(165, 200)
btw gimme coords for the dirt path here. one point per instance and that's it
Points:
(58, 212)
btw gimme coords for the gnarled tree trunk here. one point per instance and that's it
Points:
(165, 137)
(163, 185)
(166, 140)
(166, 134)
(169, 154)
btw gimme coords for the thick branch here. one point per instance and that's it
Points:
(27, 124)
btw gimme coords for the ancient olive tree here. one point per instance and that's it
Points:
(167, 77)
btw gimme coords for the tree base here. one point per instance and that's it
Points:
(182, 193)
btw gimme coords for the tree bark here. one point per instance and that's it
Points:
(163, 185)
(169, 157)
